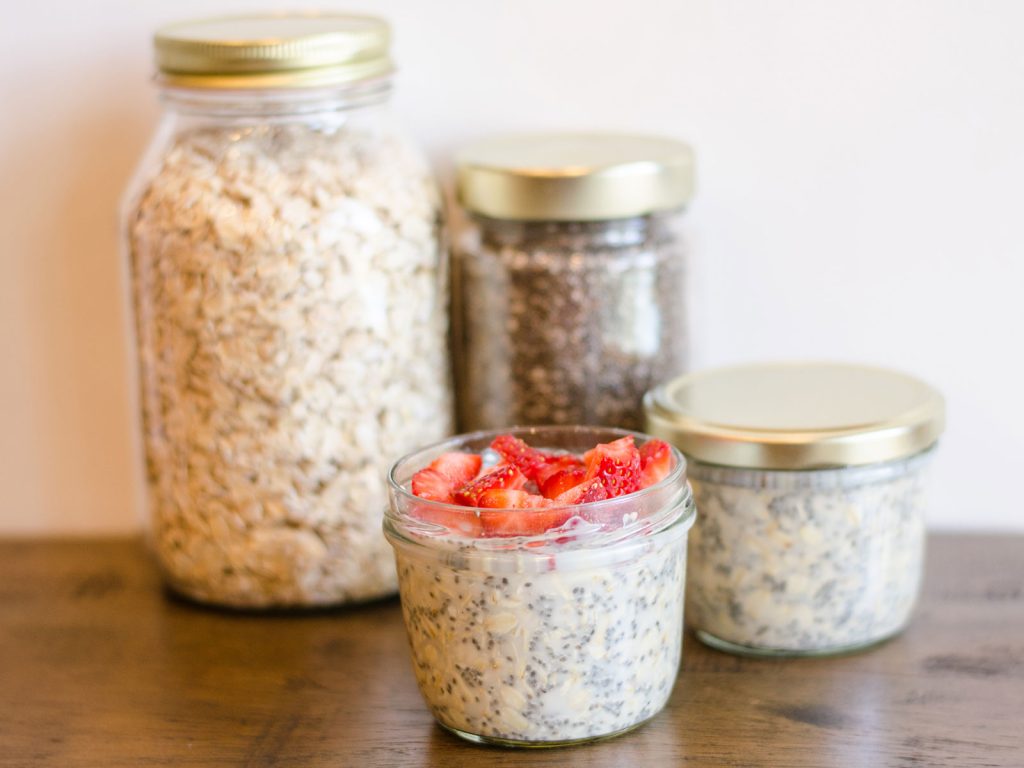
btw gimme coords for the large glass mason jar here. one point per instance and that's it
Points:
(570, 283)
(290, 308)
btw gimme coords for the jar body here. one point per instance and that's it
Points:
(289, 295)
(567, 322)
(546, 642)
(806, 562)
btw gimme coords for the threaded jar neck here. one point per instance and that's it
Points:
(274, 103)
(582, 235)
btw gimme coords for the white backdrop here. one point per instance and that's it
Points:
(861, 180)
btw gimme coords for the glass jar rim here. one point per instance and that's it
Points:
(257, 101)
(673, 490)
(845, 477)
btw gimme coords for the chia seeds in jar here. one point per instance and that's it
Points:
(290, 306)
(569, 286)
(564, 637)
(810, 479)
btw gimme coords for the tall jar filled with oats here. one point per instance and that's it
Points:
(289, 294)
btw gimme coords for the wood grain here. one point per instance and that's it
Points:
(99, 667)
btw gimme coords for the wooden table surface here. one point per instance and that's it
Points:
(99, 667)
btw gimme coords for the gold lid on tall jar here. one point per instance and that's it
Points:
(800, 415)
(273, 51)
(574, 176)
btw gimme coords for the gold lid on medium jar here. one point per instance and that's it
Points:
(574, 176)
(273, 51)
(796, 415)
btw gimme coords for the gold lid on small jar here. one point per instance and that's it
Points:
(796, 415)
(574, 176)
(273, 51)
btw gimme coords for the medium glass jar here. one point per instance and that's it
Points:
(569, 296)
(810, 480)
(290, 305)
(568, 636)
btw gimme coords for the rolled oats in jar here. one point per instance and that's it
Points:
(810, 481)
(290, 307)
(569, 296)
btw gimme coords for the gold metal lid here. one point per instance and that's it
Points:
(796, 415)
(574, 176)
(273, 51)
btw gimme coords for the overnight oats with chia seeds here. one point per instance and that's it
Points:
(810, 478)
(806, 561)
(542, 589)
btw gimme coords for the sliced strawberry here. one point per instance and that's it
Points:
(504, 476)
(617, 465)
(504, 498)
(522, 522)
(655, 462)
(465, 521)
(460, 468)
(445, 473)
(587, 491)
(518, 513)
(432, 485)
(562, 481)
(555, 464)
(517, 452)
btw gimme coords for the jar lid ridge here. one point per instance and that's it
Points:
(796, 415)
(574, 176)
(273, 51)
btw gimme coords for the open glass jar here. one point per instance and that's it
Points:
(567, 636)
(290, 301)
(810, 481)
(569, 286)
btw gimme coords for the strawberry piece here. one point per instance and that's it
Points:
(518, 513)
(556, 464)
(460, 468)
(522, 522)
(432, 485)
(515, 451)
(655, 462)
(505, 498)
(504, 476)
(562, 481)
(617, 465)
(465, 521)
(587, 491)
(445, 473)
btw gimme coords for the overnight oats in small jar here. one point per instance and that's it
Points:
(810, 478)
(541, 574)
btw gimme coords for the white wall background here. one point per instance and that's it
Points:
(861, 197)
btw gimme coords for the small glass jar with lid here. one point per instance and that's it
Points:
(569, 286)
(810, 481)
(290, 298)
(543, 639)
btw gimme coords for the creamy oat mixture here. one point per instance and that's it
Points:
(291, 330)
(534, 648)
(806, 561)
